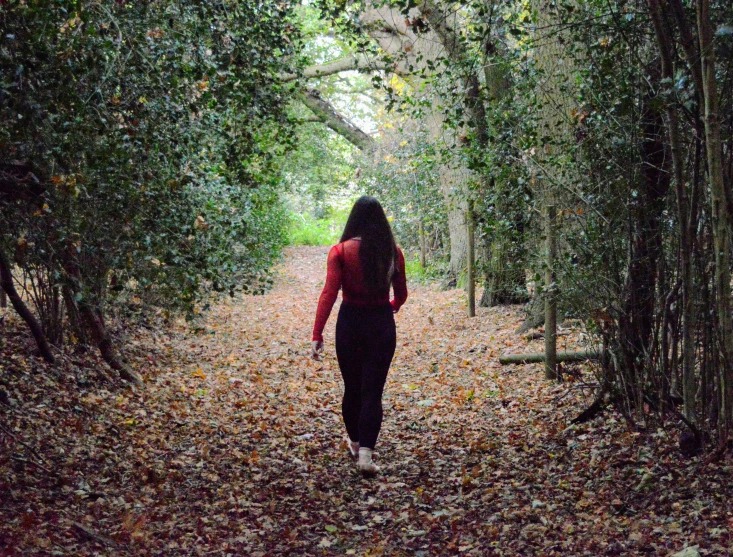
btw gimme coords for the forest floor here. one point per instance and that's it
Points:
(235, 445)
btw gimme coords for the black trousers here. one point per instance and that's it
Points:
(365, 345)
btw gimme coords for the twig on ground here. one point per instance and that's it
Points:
(574, 388)
(88, 532)
(26, 445)
(28, 461)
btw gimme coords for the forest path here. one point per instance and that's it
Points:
(470, 451)
(234, 447)
(464, 449)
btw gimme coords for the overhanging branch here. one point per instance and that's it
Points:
(325, 111)
(356, 62)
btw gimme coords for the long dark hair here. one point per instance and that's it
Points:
(377, 251)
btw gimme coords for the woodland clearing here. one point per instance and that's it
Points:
(234, 446)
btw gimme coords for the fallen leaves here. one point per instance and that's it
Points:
(234, 446)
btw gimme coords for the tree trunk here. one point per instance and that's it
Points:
(94, 324)
(100, 336)
(350, 63)
(504, 264)
(534, 313)
(329, 116)
(721, 216)
(6, 282)
(505, 281)
(636, 320)
(451, 184)
(425, 52)
(689, 387)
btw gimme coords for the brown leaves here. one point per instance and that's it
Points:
(235, 446)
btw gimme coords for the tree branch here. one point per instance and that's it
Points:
(338, 123)
(6, 283)
(356, 62)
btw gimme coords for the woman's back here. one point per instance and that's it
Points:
(345, 273)
(353, 284)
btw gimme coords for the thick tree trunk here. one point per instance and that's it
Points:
(443, 22)
(452, 180)
(550, 165)
(425, 52)
(6, 282)
(505, 278)
(504, 265)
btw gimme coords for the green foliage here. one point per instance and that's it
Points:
(306, 230)
(154, 129)
(423, 275)
(404, 177)
(592, 108)
(414, 270)
(318, 170)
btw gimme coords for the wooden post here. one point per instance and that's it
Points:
(471, 264)
(3, 299)
(550, 296)
(423, 246)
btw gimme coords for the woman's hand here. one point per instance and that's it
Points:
(317, 349)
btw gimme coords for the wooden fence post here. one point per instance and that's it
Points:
(550, 295)
(423, 245)
(471, 265)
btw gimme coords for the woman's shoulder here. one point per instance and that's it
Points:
(342, 245)
(337, 250)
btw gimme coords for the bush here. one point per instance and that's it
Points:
(306, 230)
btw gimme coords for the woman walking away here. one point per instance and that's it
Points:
(364, 265)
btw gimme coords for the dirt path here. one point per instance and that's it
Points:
(235, 448)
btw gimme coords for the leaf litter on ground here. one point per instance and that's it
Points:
(235, 445)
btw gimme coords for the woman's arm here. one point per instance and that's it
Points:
(329, 294)
(399, 283)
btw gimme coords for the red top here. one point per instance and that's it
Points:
(344, 272)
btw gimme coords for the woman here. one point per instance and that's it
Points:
(364, 265)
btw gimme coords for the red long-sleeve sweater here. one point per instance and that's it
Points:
(344, 272)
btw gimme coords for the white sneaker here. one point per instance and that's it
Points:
(365, 464)
(353, 447)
